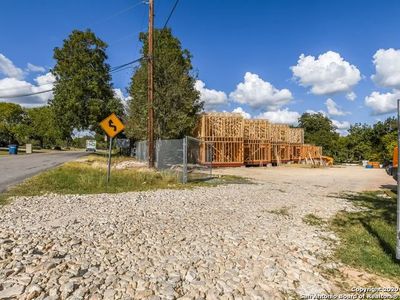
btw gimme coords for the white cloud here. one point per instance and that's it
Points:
(334, 109)
(8, 69)
(240, 110)
(327, 74)
(280, 116)
(387, 66)
(260, 94)
(37, 69)
(211, 98)
(10, 87)
(47, 79)
(382, 103)
(351, 96)
(313, 112)
(120, 95)
(341, 125)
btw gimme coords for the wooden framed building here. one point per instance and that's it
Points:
(219, 126)
(224, 133)
(296, 135)
(230, 140)
(279, 133)
(280, 153)
(257, 146)
(257, 153)
(295, 152)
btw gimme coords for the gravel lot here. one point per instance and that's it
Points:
(228, 242)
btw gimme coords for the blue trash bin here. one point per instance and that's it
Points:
(12, 149)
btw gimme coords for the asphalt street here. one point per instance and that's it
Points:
(16, 168)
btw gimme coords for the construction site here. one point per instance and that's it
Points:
(235, 141)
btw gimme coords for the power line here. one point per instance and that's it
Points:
(113, 70)
(21, 87)
(128, 67)
(170, 14)
(166, 22)
(25, 95)
(118, 13)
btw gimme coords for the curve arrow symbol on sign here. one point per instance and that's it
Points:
(111, 124)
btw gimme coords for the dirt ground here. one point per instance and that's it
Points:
(335, 179)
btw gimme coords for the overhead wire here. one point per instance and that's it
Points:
(25, 95)
(113, 70)
(21, 87)
(118, 13)
(170, 14)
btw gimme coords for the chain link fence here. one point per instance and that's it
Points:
(189, 158)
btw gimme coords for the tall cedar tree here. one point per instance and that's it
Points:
(83, 93)
(176, 101)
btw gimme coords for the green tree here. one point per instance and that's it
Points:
(176, 101)
(359, 142)
(383, 139)
(12, 117)
(319, 130)
(43, 126)
(83, 93)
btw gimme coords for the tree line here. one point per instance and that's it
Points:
(364, 142)
(83, 96)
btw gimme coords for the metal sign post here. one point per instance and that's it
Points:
(398, 183)
(109, 161)
(185, 151)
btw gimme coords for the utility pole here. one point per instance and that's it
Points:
(150, 87)
(398, 183)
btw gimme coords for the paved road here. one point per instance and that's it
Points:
(15, 168)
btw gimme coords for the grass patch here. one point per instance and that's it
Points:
(313, 220)
(283, 211)
(368, 237)
(85, 178)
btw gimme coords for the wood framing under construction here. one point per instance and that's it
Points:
(254, 129)
(257, 152)
(224, 132)
(221, 125)
(279, 133)
(296, 136)
(233, 141)
(295, 152)
(280, 153)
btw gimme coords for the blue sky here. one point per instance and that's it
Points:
(228, 39)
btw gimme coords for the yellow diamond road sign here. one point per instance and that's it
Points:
(112, 125)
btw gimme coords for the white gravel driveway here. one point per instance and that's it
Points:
(227, 242)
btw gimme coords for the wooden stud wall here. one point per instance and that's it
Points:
(221, 125)
(296, 135)
(279, 133)
(256, 130)
(280, 152)
(225, 153)
(295, 152)
(257, 152)
(224, 132)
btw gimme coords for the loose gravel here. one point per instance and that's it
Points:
(226, 242)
